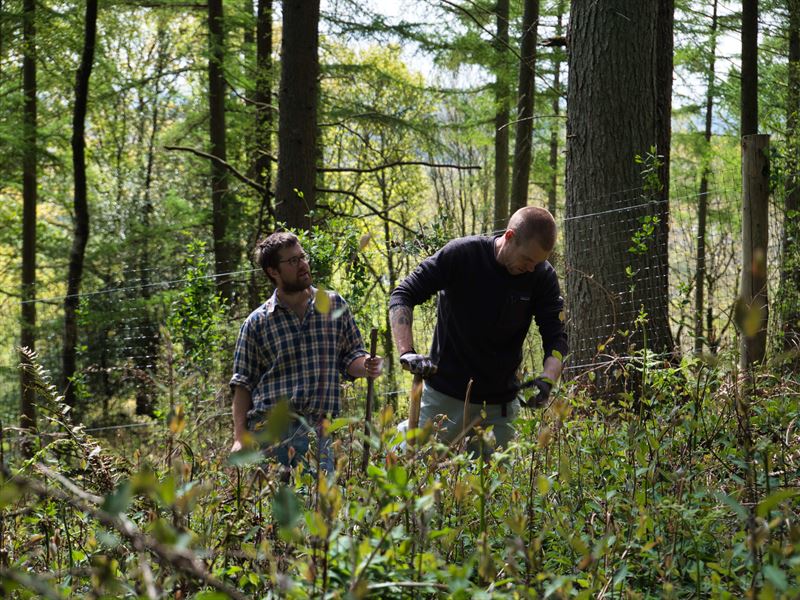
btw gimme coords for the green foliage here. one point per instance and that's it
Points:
(197, 313)
(688, 493)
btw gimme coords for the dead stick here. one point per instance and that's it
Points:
(373, 346)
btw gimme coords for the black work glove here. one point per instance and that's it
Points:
(540, 398)
(418, 364)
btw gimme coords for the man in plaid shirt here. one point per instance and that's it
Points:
(288, 350)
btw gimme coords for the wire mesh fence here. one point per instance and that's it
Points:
(132, 346)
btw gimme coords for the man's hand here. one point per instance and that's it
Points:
(237, 446)
(539, 399)
(418, 364)
(373, 366)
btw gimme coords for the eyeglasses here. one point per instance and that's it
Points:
(295, 260)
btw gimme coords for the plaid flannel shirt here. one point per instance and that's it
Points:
(282, 357)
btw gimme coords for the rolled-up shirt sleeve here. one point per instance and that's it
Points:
(245, 358)
(351, 344)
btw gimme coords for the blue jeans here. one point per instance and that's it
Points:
(297, 436)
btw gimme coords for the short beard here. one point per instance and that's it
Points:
(292, 288)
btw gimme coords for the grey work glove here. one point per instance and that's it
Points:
(418, 364)
(538, 399)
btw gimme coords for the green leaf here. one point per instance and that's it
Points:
(8, 494)
(286, 508)
(740, 510)
(210, 595)
(119, 500)
(339, 423)
(771, 501)
(244, 458)
(776, 577)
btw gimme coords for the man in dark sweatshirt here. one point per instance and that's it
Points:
(490, 288)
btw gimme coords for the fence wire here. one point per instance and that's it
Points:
(127, 349)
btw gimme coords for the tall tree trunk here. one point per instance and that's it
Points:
(298, 97)
(749, 82)
(655, 284)
(524, 124)
(501, 118)
(221, 200)
(29, 184)
(615, 113)
(555, 128)
(261, 166)
(702, 206)
(790, 268)
(81, 205)
(263, 99)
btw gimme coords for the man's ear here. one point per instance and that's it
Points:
(273, 273)
(509, 234)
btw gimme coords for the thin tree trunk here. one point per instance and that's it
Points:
(298, 97)
(702, 207)
(524, 125)
(81, 205)
(261, 166)
(145, 361)
(501, 119)
(555, 128)
(29, 185)
(749, 82)
(220, 197)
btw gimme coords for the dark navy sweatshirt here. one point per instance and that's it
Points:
(483, 316)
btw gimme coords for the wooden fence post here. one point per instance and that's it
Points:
(755, 239)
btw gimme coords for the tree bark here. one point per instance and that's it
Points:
(615, 251)
(755, 240)
(524, 125)
(29, 199)
(298, 98)
(502, 117)
(702, 205)
(221, 200)
(81, 205)
(790, 267)
(749, 82)
(261, 165)
(555, 128)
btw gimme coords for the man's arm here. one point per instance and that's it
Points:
(364, 366)
(552, 368)
(242, 401)
(401, 318)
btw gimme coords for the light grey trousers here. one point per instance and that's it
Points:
(435, 403)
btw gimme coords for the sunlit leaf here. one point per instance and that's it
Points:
(322, 301)
(364, 240)
(542, 484)
(177, 420)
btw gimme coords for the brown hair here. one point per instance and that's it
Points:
(533, 222)
(267, 250)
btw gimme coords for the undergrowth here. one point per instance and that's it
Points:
(689, 490)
